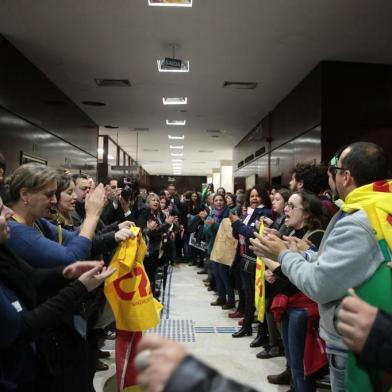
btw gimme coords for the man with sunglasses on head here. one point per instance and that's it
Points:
(350, 254)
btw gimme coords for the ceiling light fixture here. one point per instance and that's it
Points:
(173, 65)
(176, 160)
(175, 122)
(100, 150)
(176, 155)
(175, 100)
(176, 137)
(176, 147)
(171, 3)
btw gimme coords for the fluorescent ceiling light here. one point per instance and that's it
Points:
(100, 150)
(176, 147)
(170, 3)
(176, 137)
(178, 164)
(176, 160)
(176, 155)
(175, 101)
(184, 66)
(175, 122)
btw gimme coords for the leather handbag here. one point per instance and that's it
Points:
(248, 264)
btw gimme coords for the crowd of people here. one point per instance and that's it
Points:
(316, 237)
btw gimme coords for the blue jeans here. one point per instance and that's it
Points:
(337, 367)
(295, 322)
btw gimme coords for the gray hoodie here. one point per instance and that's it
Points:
(348, 256)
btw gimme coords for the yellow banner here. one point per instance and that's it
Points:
(260, 284)
(128, 290)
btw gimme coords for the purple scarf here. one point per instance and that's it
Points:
(218, 214)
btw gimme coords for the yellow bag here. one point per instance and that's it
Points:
(128, 290)
(260, 284)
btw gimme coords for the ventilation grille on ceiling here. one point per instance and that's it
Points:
(150, 150)
(206, 151)
(240, 164)
(214, 133)
(260, 151)
(113, 82)
(240, 85)
(249, 158)
(141, 129)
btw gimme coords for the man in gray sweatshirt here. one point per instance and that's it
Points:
(348, 255)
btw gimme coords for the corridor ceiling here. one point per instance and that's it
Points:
(274, 43)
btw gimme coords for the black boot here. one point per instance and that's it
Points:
(244, 331)
(261, 337)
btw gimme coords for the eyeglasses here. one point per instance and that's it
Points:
(333, 169)
(291, 206)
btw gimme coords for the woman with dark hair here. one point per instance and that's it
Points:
(298, 313)
(220, 271)
(279, 200)
(221, 191)
(231, 203)
(258, 204)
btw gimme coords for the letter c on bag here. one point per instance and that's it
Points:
(142, 288)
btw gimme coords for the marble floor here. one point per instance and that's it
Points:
(206, 332)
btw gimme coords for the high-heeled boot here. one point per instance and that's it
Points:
(244, 331)
(261, 337)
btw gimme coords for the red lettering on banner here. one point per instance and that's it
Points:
(142, 288)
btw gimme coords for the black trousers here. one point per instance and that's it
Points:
(151, 265)
(248, 281)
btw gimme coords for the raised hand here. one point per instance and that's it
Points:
(95, 201)
(123, 235)
(95, 277)
(74, 270)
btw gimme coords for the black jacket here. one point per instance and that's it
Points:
(194, 376)
(111, 215)
(45, 346)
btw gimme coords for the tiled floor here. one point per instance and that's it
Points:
(206, 331)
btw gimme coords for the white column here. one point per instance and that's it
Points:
(216, 178)
(226, 176)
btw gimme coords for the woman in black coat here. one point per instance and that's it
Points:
(154, 225)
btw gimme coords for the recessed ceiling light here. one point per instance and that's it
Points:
(176, 147)
(175, 101)
(112, 82)
(176, 154)
(93, 103)
(100, 150)
(176, 137)
(176, 160)
(175, 122)
(176, 164)
(179, 66)
(171, 3)
(240, 85)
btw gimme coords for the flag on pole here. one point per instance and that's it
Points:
(260, 284)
